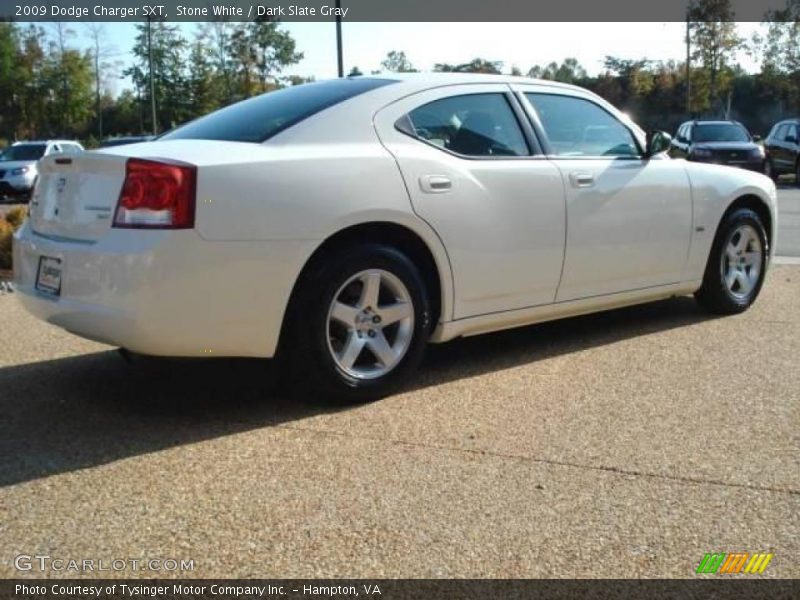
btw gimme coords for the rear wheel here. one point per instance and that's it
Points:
(736, 266)
(359, 325)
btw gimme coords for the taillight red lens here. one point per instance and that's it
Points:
(157, 195)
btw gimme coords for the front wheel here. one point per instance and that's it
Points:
(737, 264)
(359, 325)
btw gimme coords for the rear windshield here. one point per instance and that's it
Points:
(24, 152)
(722, 132)
(259, 118)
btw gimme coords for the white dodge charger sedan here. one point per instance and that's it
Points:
(342, 225)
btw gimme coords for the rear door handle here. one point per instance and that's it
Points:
(435, 184)
(581, 179)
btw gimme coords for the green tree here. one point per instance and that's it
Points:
(203, 85)
(11, 80)
(635, 77)
(298, 79)
(124, 115)
(779, 52)
(397, 62)
(32, 92)
(569, 71)
(476, 65)
(105, 68)
(275, 50)
(169, 77)
(260, 51)
(714, 40)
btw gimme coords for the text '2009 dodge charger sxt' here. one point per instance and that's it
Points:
(345, 224)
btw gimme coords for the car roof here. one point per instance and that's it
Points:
(428, 80)
(326, 124)
(21, 142)
(714, 122)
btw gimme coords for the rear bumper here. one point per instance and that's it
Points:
(166, 293)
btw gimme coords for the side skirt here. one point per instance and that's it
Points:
(559, 310)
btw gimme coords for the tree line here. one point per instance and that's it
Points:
(49, 87)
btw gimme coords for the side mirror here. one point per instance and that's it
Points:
(757, 138)
(657, 142)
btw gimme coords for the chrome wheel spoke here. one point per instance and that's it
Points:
(344, 313)
(394, 313)
(730, 278)
(358, 322)
(371, 290)
(352, 350)
(741, 262)
(381, 349)
(741, 244)
(744, 283)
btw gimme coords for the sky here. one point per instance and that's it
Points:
(515, 44)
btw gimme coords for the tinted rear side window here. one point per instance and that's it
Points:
(470, 125)
(258, 119)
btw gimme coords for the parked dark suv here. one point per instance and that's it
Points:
(783, 149)
(721, 142)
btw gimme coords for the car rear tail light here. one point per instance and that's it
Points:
(157, 195)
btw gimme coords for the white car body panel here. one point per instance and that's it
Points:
(714, 188)
(500, 241)
(641, 204)
(502, 221)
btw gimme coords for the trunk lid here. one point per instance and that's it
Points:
(76, 195)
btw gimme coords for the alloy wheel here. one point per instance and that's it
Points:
(370, 324)
(741, 261)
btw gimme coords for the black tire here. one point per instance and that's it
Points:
(313, 373)
(714, 295)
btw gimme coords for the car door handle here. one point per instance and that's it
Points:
(435, 184)
(581, 180)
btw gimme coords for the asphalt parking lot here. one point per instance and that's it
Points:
(788, 220)
(624, 444)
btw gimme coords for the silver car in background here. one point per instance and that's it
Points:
(18, 170)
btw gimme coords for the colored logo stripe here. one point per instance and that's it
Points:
(720, 562)
(758, 563)
(734, 563)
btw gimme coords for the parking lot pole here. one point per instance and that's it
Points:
(339, 55)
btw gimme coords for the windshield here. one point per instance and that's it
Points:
(259, 118)
(24, 152)
(721, 132)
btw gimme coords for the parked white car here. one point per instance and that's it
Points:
(18, 171)
(345, 224)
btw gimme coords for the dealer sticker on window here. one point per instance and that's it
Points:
(48, 279)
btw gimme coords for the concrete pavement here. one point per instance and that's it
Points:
(624, 444)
